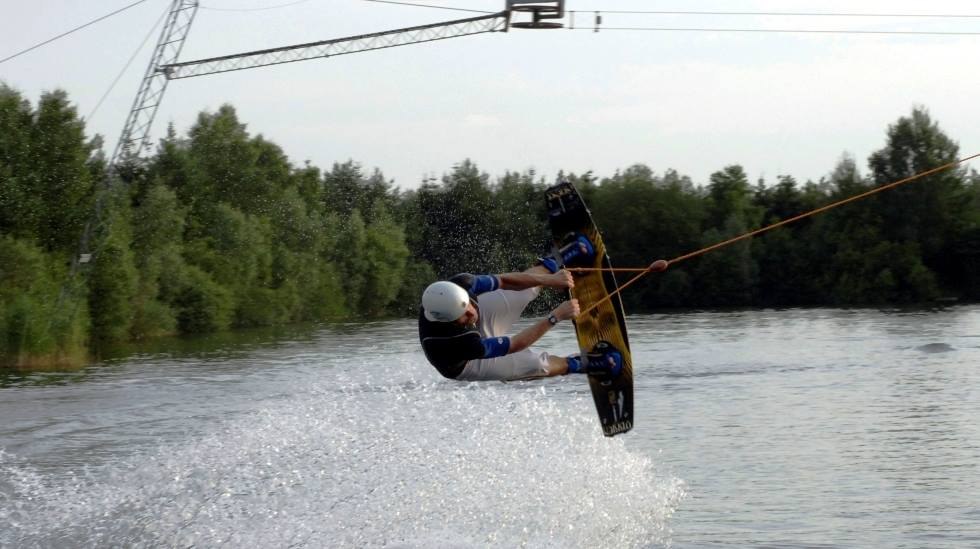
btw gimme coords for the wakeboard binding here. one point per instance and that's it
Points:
(604, 361)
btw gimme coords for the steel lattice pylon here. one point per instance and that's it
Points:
(496, 22)
(136, 131)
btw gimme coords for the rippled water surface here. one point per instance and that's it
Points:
(796, 428)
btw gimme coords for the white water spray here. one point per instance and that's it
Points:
(392, 463)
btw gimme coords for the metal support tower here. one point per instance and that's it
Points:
(497, 22)
(136, 131)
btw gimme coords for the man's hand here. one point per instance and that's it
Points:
(561, 279)
(567, 310)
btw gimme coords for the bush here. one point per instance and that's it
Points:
(202, 304)
(36, 327)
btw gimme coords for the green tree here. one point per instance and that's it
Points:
(37, 327)
(62, 172)
(235, 249)
(455, 223)
(308, 182)
(520, 220)
(966, 246)
(322, 293)
(931, 213)
(172, 167)
(20, 206)
(47, 170)
(418, 275)
(158, 230)
(727, 277)
(202, 304)
(730, 195)
(112, 278)
(345, 189)
(642, 218)
(228, 165)
(784, 257)
(351, 261)
(384, 258)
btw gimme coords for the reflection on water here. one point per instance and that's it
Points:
(789, 428)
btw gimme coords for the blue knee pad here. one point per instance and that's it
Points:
(578, 251)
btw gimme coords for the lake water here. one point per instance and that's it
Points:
(791, 428)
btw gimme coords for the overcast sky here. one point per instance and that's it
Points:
(778, 104)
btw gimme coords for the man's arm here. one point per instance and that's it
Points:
(533, 278)
(539, 276)
(529, 335)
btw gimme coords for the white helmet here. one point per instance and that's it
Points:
(444, 301)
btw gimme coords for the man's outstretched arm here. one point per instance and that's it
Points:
(527, 337)
(535, 276)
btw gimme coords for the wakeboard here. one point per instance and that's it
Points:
(604, 325)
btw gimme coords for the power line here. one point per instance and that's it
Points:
(740, 13)
(255, 9)
(427, 6)
(784, 31)
(125, 67)
(48, 41)
(787, 13)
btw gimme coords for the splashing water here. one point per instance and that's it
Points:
(393, 463)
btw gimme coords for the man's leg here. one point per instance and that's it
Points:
(526, 364)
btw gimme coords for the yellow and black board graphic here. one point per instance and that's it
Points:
(568, 215)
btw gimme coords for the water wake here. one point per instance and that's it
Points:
(344, 464)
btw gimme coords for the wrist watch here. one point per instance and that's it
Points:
(553, 319)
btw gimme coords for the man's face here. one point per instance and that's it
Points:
(470, 316)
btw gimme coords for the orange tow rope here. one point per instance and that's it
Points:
(644, 270)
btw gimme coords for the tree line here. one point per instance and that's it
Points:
(218, 229)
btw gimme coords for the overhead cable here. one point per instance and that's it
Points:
(785, 31)
(128, 63)
(92, 22)
(255, 9)
(786, 13)
(426, 6)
